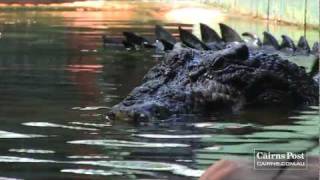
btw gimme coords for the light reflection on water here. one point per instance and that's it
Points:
(57, 82)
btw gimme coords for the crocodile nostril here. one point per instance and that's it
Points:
(110, 116)
(140, 117)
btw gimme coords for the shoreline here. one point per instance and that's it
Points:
(91, 5)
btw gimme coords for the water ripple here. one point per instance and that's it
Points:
(46, 124)
(121, 143)
(92, 172)
(89, 157)
(12, 159)
(223, 125)
(90, 108)
(6, 134)
(6, 178)
(130, 165)
(32, 151)
(121, 172)
(92, 124)
(147, 165)
(171, 136)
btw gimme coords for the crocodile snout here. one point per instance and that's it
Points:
(141, 112)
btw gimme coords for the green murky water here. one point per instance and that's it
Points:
(57, 83)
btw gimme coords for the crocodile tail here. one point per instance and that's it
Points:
(228, 34)
(270, 40)
(208, 34)
(191, 40)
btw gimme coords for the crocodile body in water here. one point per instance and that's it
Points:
(220, 73)
(197, 81)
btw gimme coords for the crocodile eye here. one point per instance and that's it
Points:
(218, 64)
(157, 113)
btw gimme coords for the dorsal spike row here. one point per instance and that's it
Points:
(209, 35)
(134, 39)
(316, 48)
(167, 45)
(191, 40)
(287, 42)
(165, 37)
(162, 34)
(250, 35)
(253, 37)
(303, 44)
(228, 34)
(270, 40)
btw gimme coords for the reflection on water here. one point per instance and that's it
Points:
(57, 82)
(12, 135)
(46, 124)
(187, 15)
(40, 151)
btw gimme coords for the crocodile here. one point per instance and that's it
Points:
(221, 74)
(195, 81)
